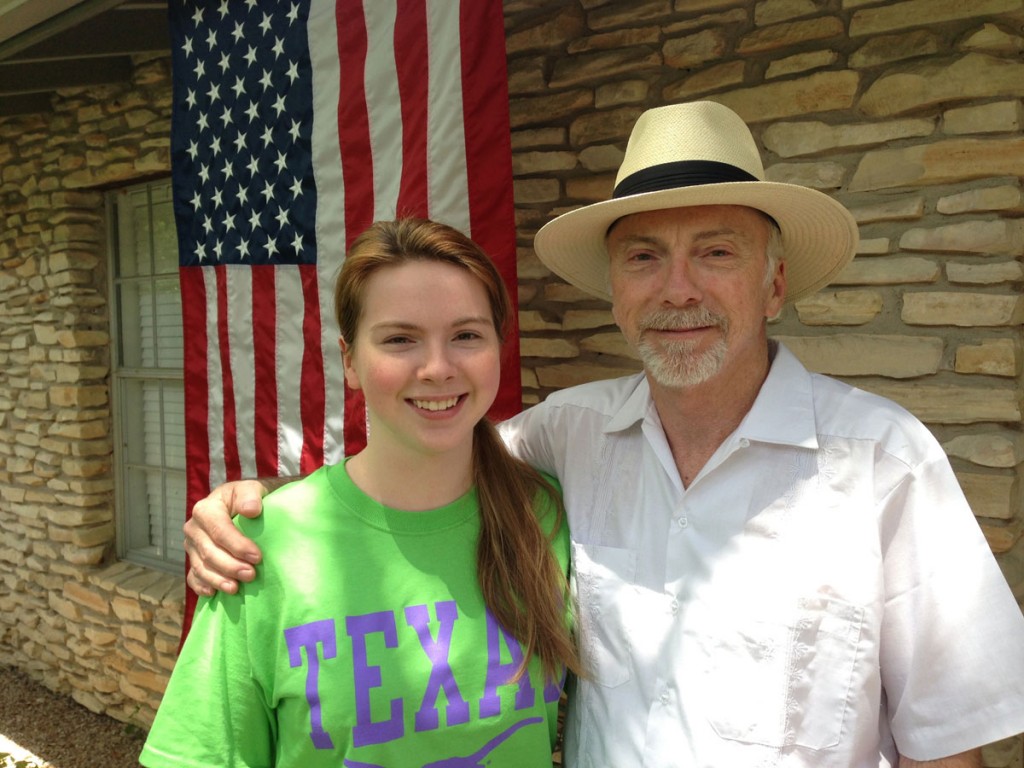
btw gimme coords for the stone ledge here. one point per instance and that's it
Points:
(945, 404)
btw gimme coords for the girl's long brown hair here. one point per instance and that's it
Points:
(521, 580)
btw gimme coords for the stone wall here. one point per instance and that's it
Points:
(103, 631)
(909, 112)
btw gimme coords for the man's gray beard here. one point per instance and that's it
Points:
(676, 364)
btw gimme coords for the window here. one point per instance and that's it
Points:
(147, 381)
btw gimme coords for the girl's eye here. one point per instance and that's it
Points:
(397, 340)
(467, 336)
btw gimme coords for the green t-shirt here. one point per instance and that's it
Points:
(364, 641)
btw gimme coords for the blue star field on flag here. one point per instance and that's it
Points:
(243, 176)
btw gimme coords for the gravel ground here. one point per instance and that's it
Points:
(61, 733)
(58, 730)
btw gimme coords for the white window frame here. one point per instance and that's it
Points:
(147, 380)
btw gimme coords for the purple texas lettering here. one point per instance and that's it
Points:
(366, 677)
(457, 711)
(499, 674)
(553, 688)
(308, 636)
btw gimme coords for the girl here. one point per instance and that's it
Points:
(412, 605)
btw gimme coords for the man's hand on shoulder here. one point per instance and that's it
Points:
(219, 555)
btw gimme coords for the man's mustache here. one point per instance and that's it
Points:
(682, 319)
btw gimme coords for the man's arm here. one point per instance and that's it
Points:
(970, 759)
(219, 555)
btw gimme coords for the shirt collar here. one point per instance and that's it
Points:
(635, 404)
(783, 412)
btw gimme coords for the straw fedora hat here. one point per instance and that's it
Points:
(701, 153)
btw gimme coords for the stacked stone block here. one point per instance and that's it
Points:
(70, 615)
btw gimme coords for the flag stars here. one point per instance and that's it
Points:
(271, 247)
(282, 218)
(279, 104)
(245, 83)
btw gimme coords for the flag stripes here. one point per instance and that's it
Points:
(296, 125)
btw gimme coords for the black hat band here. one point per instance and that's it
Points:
(682, 173)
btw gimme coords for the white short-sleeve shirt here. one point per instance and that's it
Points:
(820, 595)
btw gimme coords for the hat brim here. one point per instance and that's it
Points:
(819, 235)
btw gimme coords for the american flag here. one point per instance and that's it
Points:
(297, 123)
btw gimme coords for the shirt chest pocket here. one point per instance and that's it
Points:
(782, 685)
(603, 580)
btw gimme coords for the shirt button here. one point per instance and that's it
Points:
(664, 698)
(675, 607)
(744, 443)
(682, 522)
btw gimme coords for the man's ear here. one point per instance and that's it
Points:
(351, 377)
(777, 292)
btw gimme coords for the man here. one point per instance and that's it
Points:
(772, 568)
